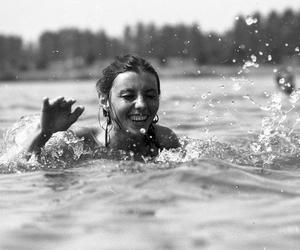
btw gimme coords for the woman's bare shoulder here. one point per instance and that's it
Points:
(88, 133)
(166, 137)
(84, 131)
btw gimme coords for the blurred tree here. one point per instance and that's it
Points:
(271, 39)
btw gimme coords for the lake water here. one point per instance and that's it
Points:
(235, 183)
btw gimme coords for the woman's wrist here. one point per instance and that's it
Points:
(43, 137)
(45, 134)
(39, 141)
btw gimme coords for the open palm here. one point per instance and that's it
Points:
(57, 115)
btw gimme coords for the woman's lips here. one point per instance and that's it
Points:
(138, 118)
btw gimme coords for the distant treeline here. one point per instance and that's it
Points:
(271, 39)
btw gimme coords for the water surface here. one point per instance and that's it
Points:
(234, 184)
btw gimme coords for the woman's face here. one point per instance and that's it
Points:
(134, 101)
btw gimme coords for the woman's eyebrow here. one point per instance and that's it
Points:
(150, 90)
(126, 90)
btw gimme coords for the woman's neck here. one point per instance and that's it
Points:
(122, 140)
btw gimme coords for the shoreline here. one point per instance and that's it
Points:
(174, 69)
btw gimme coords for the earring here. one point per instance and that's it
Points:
(105, 125)
(106, 115)
(155, 119)
(99, 118)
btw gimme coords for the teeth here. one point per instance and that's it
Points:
(139, 117)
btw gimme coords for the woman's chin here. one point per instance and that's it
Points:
(138, 130)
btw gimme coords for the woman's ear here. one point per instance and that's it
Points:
(103, 102)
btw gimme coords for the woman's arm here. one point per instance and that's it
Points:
(56, 116)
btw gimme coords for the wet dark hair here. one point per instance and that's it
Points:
(120, 65)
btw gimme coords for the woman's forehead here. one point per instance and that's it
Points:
(130, 79)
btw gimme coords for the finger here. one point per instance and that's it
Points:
(68, 105)
(45, 104)
(63, 103)
(77, 112)
(70, 102)
(57, 101)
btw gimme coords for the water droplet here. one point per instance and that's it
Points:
(297, 49)
(267, 44)
(248, 64)
(294, 97)
(286, 44)
(250, 20)
(143, 131)
(253, 58)
(269, 58)
(187, 42)
(236, 86)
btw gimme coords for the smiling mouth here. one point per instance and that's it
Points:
(139, 118)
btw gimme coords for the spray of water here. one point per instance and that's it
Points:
(276, 136)
(274, 141)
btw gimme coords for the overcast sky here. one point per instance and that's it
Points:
(29, 18)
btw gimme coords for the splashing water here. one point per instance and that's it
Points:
(194, 149)
(274, 142)
(63, 148)
(250, 20)
(276, 136)
(249, 64)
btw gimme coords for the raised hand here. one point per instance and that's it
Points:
(57, 115)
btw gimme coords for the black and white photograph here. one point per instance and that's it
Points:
(149, 125)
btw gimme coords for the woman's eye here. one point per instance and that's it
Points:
(128, 97)
(151, 96)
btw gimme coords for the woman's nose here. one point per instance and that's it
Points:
(140, 102)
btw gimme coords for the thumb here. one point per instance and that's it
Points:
(75, 115)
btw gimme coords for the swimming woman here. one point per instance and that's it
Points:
(129, 93)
